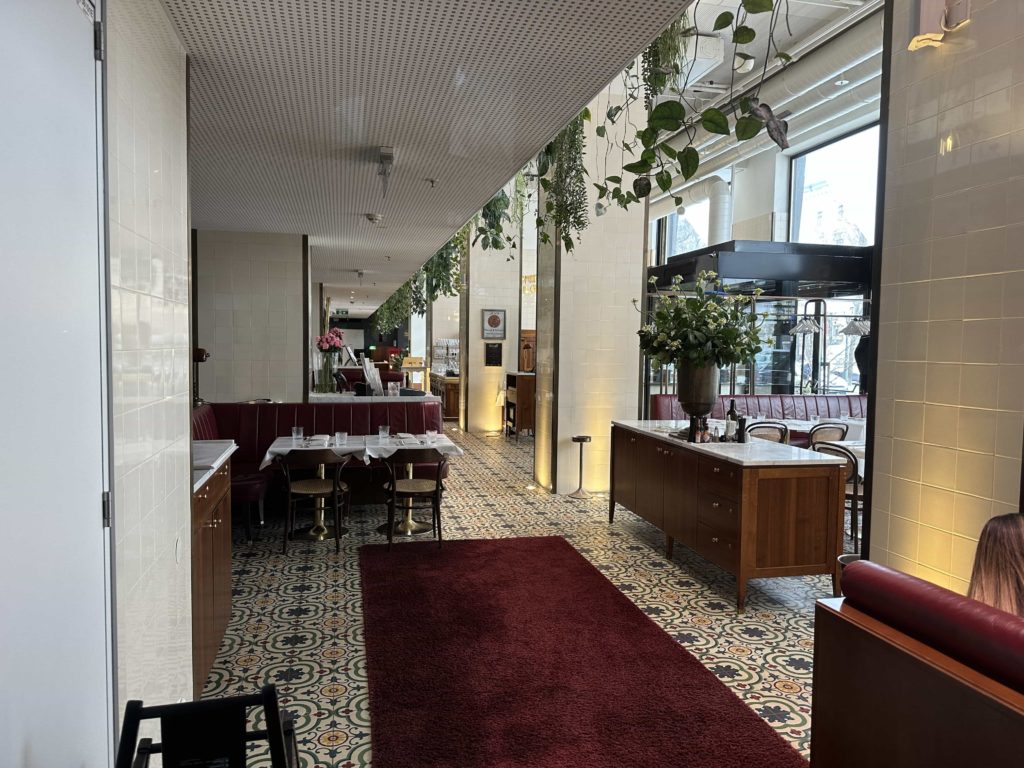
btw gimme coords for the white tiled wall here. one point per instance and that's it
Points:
(149, 304)
(599, 351)
(951, 340)
(249, 299)
(493, 284)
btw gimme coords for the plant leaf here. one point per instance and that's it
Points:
(723, 21)
(743, 35)
(689, 161)
(601, 131)
(747, 127)
(669, 110)
(758, 6)
(614, 179)
(714, 121)
(585, 114)
(664, 179)
(638, 167)
(784, 57)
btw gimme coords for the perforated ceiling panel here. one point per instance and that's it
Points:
(291, 98)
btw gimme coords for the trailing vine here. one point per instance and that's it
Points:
(666, 147)
(439, 276)
(502, 210)
(562, 177)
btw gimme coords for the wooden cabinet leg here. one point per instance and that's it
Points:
(669, 541)
(611, 509)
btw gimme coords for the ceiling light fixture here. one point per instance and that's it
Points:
(374, 218)
(842, 81)
(385, 162)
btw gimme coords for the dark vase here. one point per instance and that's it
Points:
(697, 387)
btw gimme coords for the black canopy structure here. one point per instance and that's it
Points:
(779, 268)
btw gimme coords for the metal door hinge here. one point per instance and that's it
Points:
(105, 503)
(97, 40)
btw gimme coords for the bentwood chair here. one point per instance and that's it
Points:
(854, 486)
(415, 492)
(208, 732)
(827, 432)
(297, 465)
(775, 431)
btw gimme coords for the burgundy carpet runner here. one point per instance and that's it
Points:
(518, 652)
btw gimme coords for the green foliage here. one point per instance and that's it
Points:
(705, 327)
(395, 310)
(675, 118)
(565, 185)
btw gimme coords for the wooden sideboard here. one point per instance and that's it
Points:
(756, 510)
(448, 389)
(211, 571)
(520, 388)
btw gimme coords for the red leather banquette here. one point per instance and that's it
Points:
(254, 426)
(772, 406)
(910, 674)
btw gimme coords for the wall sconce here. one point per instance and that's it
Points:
(935, 18)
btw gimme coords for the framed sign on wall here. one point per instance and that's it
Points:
(494, 324)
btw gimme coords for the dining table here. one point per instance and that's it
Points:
(362, 448)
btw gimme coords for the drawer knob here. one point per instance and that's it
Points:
(714, 539)
(632, 439)
(715, 505)
(716, 470)
(657, 448)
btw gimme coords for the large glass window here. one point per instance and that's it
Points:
(834, 191)
(687, 231)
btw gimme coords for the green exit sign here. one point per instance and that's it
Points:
(341, 312)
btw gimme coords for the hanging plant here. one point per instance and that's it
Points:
(395, 310)
(562, 177)
(501, 212)
(661, 61)
(666, 147)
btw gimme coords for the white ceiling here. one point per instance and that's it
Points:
(291, 98)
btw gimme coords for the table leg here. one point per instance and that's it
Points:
(319, 531)
(407, 526)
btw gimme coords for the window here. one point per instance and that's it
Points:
(835, 190)
(687, 231)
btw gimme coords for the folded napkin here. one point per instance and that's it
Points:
(319, 440)
(405, 436)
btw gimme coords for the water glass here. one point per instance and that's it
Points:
(431, 436)
(393, 388)
(340, 438)
(296, 434)
(382, 432)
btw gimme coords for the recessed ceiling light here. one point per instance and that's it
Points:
(841, 82)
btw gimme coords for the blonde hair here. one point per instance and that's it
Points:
(998, 575)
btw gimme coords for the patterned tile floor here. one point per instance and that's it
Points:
(297, 619)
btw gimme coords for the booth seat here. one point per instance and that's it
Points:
(254, 426)
(772, 406)
(909, 673)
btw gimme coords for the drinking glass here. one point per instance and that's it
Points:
(296, 434)
(431, 436)
(382, 432)
(340, 438)
(393, 388)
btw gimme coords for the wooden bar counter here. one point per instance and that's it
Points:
(755, 509)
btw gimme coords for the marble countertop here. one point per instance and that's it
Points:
(756, 453)
(207, 457)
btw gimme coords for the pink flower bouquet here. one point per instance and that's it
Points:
(331, 342)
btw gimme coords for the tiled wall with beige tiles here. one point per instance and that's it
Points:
(250, 313)
(951, 338)
(150, 319)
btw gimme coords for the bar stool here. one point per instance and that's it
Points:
(579, 493)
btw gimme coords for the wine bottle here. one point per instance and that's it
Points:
(731, 413)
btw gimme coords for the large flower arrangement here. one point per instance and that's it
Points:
(329, 345)
(707, 327)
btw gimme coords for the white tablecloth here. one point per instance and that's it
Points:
(362, 447)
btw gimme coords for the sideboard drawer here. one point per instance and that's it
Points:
(721, 478)
(717, 546)
(719, 512)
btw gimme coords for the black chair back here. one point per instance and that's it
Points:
(208, 732)
(416, 456)
(827, 432)
(776, 431)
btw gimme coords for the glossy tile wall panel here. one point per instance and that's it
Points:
(150, 319)
(493, 284)
(599, 352)
(249, 298)
(951, 340)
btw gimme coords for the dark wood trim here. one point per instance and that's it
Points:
(876, 276)
(643, 370)
(305, 318)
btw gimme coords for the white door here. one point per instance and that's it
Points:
(55, 651)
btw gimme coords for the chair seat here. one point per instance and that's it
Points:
(316, 486)
(413, 485)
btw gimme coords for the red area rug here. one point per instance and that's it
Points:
(518, 652)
